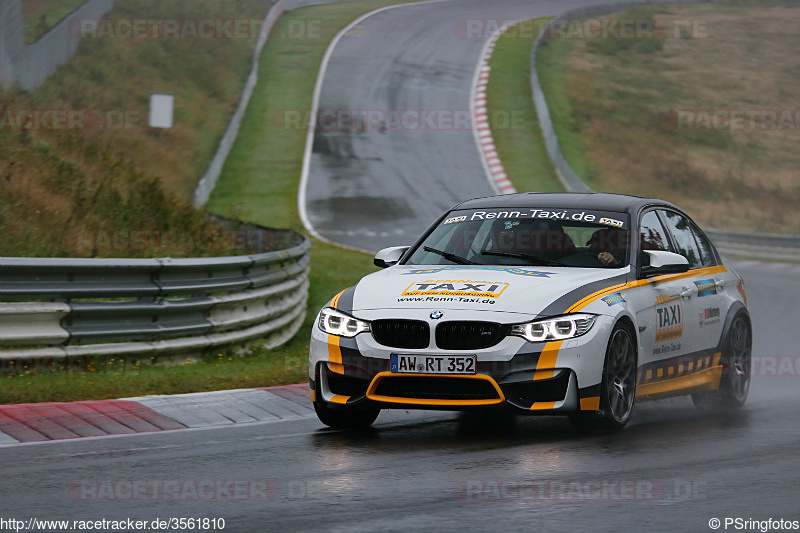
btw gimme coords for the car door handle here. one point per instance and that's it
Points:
(720, 283)
(687, 292)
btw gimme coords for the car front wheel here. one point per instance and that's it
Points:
(618, 387)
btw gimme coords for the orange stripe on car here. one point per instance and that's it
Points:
(590, 404)
(335, 300)
(707, 379)
(338, 398)
(545, 367)
(433, 401)
(707, 271)
(335, 355)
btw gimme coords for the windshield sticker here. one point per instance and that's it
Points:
(669, 318)
(454, 220)
(516, 271)
(615, 298)
(706, 287)
(456, 287)
(611, 222)
(568, 215)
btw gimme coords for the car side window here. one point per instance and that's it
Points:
(706, 249)
(681, 230)
(651, 233)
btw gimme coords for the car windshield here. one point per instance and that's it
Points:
(528, 237)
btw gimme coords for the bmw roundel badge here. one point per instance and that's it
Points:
(436, 315)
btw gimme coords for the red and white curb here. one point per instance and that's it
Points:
(42, 422)
(481, 128)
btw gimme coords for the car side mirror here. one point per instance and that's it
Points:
(659, 262)
(389, 256)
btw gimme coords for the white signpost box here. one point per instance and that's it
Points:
(162, 108)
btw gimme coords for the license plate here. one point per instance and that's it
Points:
(434, 364)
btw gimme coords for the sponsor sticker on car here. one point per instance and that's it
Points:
(445, 287)
(669, 318)
(615, 298)
(709, 316)
(612, 222)
(706, 287)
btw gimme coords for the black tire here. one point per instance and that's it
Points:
(343, 417)
(734, 383)
(618, 386)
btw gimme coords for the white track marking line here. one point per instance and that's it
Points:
(492, 166)
(301, 195)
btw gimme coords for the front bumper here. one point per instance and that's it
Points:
(555, 377)
(447, 392)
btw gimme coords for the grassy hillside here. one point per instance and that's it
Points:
(635, 116)
(104, 169)
(38, 16)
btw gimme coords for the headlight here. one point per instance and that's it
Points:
(554, 329)
(333, 322)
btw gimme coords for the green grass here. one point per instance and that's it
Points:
(552, 77)
(39, 19)
(113, 379)
(518, 138)
(259, 184)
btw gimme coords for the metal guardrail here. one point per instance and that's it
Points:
(764, 246)
(62, 308)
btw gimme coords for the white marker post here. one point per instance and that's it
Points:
(162, 108)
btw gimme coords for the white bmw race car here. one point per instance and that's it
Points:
(573, 304)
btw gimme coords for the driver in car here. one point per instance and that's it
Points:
(610, 245)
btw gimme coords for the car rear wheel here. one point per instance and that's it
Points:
(618, 387)
(734, 384)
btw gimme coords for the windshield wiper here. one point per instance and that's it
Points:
(450, 257)
(527, 257)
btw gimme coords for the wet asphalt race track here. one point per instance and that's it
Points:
(672, 469)
(372, 186)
